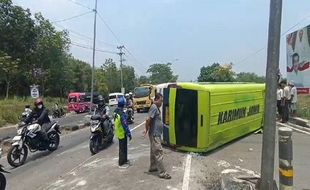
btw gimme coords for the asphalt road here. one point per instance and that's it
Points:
(73, 167)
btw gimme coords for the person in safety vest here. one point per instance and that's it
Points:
(122, 132)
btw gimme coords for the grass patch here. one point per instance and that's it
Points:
(11, 109)
(303, 106)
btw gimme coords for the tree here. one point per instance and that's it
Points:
(17, 39)
(112, 75)
(161, 73)
(8, 69)
(249, 77)
(129, 78)
(143, 80)
(216, 73)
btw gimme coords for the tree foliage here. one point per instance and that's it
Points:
(249, 77)
(216, 73)
(161, 73)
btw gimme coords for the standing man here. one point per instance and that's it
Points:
(154, 129)
(122, 132)
(293, 98)
(286, 101)
(279, 100)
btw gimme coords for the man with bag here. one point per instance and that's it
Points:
(154, 129)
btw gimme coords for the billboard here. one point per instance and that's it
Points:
(298, 59)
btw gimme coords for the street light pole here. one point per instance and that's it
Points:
(94, 51)
(268, 149)
(121, 53)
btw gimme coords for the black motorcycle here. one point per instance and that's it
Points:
(102, 133)
(29, 136)
(2, 177)
(129, 115)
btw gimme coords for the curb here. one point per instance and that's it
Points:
(76, 127)
(300, 122)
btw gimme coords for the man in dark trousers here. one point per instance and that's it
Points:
(40, 115)
(122, 132)
(154, 128)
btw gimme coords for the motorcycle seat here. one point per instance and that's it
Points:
(48, 126)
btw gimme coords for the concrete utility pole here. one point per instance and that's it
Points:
(121, 53)
(267, 164)
(94, 51)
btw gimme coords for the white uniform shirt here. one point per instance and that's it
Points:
(287, 93)
(279, 94)
(294, 93)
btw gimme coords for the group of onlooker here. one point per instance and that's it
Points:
(286, 100)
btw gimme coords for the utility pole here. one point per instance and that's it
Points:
(94, 51)
(121, 53)
(268, 149)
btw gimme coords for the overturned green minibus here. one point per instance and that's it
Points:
(202, 117)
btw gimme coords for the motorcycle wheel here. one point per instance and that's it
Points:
(15, 154)
(94, 145)
(53, 140)
(2, 181)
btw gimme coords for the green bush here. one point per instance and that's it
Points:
(11, 110)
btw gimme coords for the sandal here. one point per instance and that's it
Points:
(164, 176)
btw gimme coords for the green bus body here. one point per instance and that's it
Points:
(202, 117)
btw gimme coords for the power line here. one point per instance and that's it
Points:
(119, 41)
(81, 5)
(90, 48)
(83, 35)
(109, 28)
(73, 17)
(284, 33)
(135, 58)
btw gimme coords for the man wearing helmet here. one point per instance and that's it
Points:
(40, 115)
(122, 132)
(129, 103)
(102, 108)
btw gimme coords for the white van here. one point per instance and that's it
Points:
(113, 97)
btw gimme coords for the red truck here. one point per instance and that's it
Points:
(79, 102)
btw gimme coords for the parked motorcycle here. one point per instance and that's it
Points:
(129, 115)
(29, 136)
(102, 133)
(2, 177)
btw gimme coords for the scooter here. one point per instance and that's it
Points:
(102, 133)
(2, 177)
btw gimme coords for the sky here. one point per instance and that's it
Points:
(188, 33)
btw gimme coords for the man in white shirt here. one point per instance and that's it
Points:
(293, 106)
(279, 99)
(286, 98)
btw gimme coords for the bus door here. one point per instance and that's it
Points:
(186, 120)
(165, 115)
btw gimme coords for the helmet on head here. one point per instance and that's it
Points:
(126, 95)
(121, 102)
(38, 101)
(101, 100)
(130, 93)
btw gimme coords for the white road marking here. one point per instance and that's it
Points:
(137, 126)
(187, 172)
